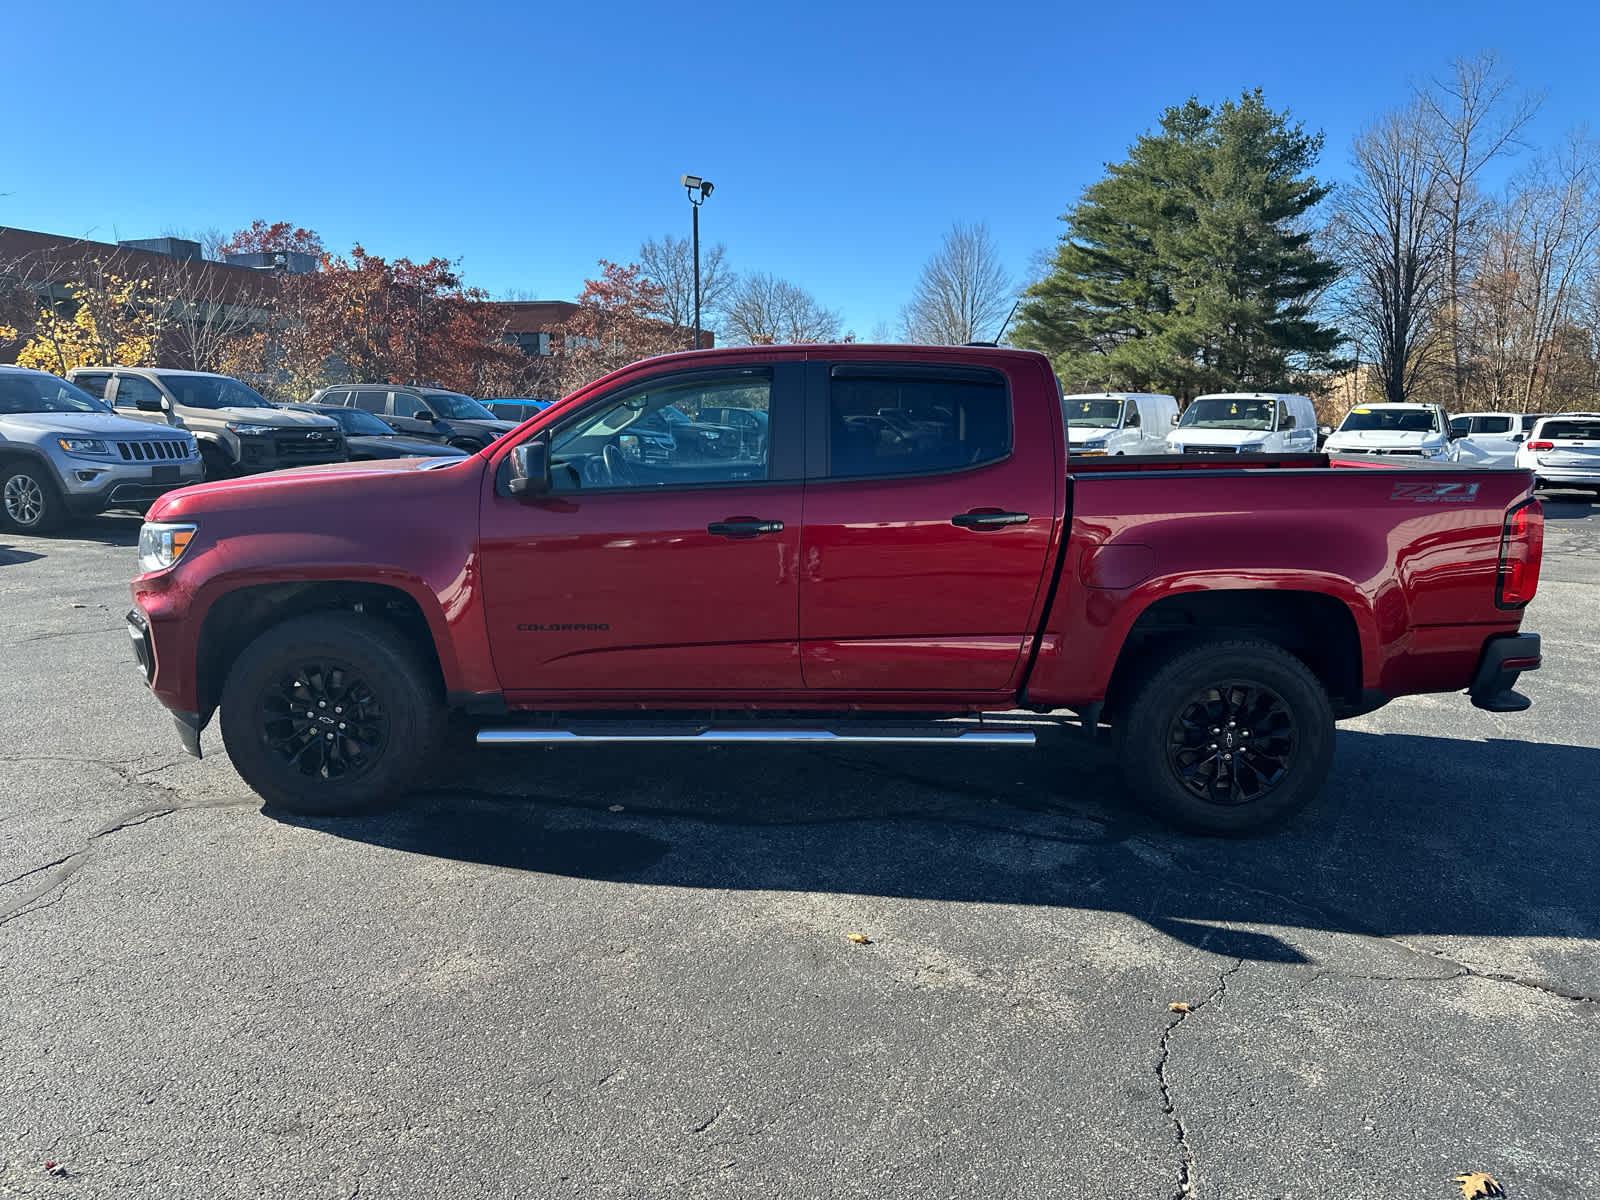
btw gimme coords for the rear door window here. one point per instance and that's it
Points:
(1487, 424)
(372, 402)
(880, 424)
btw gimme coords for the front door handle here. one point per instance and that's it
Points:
(988, 518)
(744, 527)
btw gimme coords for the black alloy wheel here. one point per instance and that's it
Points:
(323, 719)
(1233, 743)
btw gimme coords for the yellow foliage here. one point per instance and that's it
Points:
(114, 322)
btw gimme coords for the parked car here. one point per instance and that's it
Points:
(1246, 423)
(1218, 621)
(238, 430)
(1488, 439)
(366, 437)
(516, 408)
(63, 453)
(1119, 422)
(446, 417)
(1403, 430)
(1564, 451)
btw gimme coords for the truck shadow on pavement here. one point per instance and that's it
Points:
(1414, 835)
(10, 556)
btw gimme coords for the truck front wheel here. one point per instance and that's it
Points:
(330, 713)
(1228, 737)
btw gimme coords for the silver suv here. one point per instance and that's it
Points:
(239, 431)
(64, 453)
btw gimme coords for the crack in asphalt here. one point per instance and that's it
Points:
(1169, 1107)
(63, 870)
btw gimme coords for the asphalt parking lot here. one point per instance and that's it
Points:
(585, 973)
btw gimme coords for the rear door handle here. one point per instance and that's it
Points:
(744, 527)
(988, 519)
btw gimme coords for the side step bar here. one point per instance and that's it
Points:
(923, 736)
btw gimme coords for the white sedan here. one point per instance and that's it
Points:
(1564, 451)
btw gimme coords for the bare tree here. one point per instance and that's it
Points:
(765, 311)
(964, 292)
(1476, 117)
(202, 311)
(1390, 230)
(668, 262)
(1561, 231)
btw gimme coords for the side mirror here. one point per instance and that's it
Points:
(151, 404)
(530, 470)
(1457, 434)
(1325, 430)
(1174, 421)
(426, 414)
(1519, 437)
(1288, 422)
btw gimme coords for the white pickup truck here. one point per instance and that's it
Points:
(1404, 430)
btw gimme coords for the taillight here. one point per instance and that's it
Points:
(1541, 445)
(1521, 551)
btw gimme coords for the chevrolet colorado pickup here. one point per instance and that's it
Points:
(896, 548)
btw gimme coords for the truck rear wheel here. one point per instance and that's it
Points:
(330, 713)
(1228, 737)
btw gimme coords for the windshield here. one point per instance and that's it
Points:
(212, 391)
(1393, 420)
(1228, 412)
(25, 392)
(456, 406)
(354, 421)
(1093, 414)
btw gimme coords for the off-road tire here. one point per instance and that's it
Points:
(369, 675)
(1169, 706)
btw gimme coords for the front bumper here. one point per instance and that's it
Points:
(121, 487)
(1504, 658)
(144, 653)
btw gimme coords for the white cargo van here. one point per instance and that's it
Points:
(1246, 423)
(1119, 422)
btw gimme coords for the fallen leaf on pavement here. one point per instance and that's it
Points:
(1476, 1184)
(1178, 1006)
(859, 939)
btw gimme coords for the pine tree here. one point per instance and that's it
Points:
(1189, 267)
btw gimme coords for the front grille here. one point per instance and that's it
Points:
(300, 447)
(161, 450)
(1381, 453)
(1210, 450)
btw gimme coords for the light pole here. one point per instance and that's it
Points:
(698, 190)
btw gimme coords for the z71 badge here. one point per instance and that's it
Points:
(1435, 493)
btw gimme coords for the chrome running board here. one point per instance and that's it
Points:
(914, 736)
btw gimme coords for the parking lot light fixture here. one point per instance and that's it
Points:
(698, 189)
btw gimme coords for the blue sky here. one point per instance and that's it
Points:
(530, 140)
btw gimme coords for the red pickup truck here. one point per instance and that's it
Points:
(830, 544)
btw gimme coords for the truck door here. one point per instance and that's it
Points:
(930, 501)
(662, 575)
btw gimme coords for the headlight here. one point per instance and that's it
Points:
(1253, 448)
(1432, 451)
(162, 543)
(1095, 444)
(244, 429)
(77, 445)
